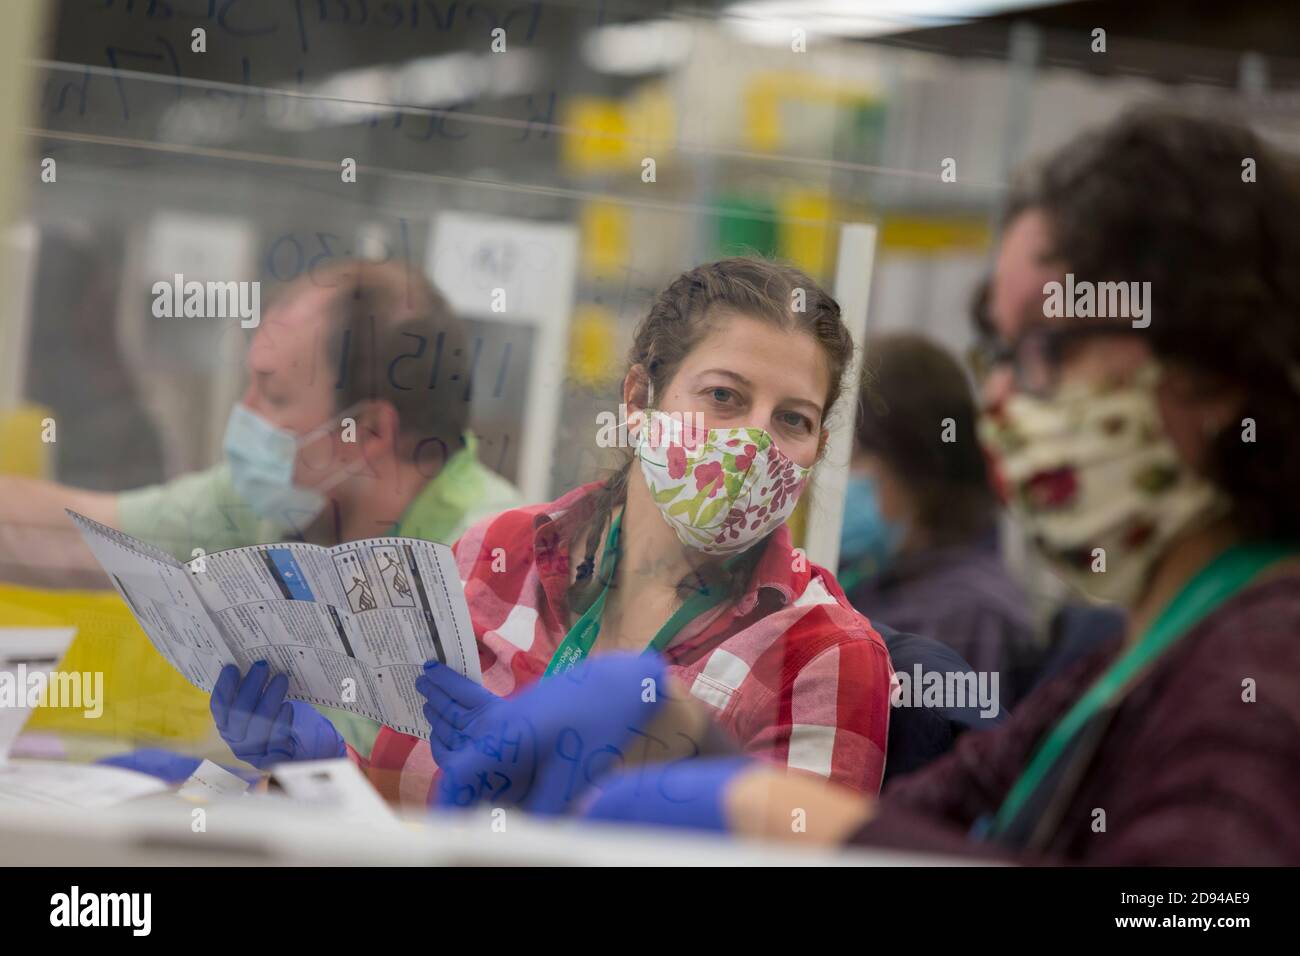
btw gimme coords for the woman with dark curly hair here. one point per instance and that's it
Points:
(1153, 460)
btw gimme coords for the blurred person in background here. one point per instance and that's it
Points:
(919, 546)
(339, 345)
(684, 551)
(1170, 446)
(328, 348)
(89, 389)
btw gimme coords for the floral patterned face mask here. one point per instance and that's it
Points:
(721, 489)
(1093, 477)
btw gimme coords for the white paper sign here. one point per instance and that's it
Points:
(25, 651)
(531, 263)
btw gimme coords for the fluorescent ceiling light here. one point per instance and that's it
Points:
(772, 22)
(356, 96)
(631, 49)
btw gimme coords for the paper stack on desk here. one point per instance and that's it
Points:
(350, 626)
(81, 785)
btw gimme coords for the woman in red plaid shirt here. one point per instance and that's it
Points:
(685, 548)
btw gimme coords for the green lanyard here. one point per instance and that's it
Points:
(577, 644)
(1207, 590)
(856, 573)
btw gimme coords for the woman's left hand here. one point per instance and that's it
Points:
(543, 747)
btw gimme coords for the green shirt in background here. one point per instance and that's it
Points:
(201, 510)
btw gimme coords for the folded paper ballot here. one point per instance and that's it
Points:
(350, 626)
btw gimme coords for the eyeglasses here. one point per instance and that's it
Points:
(1037, 356)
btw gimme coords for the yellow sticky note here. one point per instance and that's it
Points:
(604, 228)
(596, 135)
(593, 357)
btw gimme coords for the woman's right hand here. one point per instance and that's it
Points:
(262, 728)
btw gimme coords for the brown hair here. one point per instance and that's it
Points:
(1159, 196)
(683, 315)
(392, 337)
(909, 386)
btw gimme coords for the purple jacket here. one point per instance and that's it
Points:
(964, 597)
(1187, 772)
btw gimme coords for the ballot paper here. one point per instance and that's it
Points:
(210, 781)
(350, 626)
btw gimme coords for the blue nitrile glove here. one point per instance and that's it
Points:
(683, 793)
(166, 765)
(163, 764)
(264, 729)
(541, 748)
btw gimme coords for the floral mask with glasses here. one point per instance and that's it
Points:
(1084, 462)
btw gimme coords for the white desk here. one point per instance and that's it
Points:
(157, 832)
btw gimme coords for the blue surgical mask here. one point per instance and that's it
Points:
(867, 538)
(261, 458)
